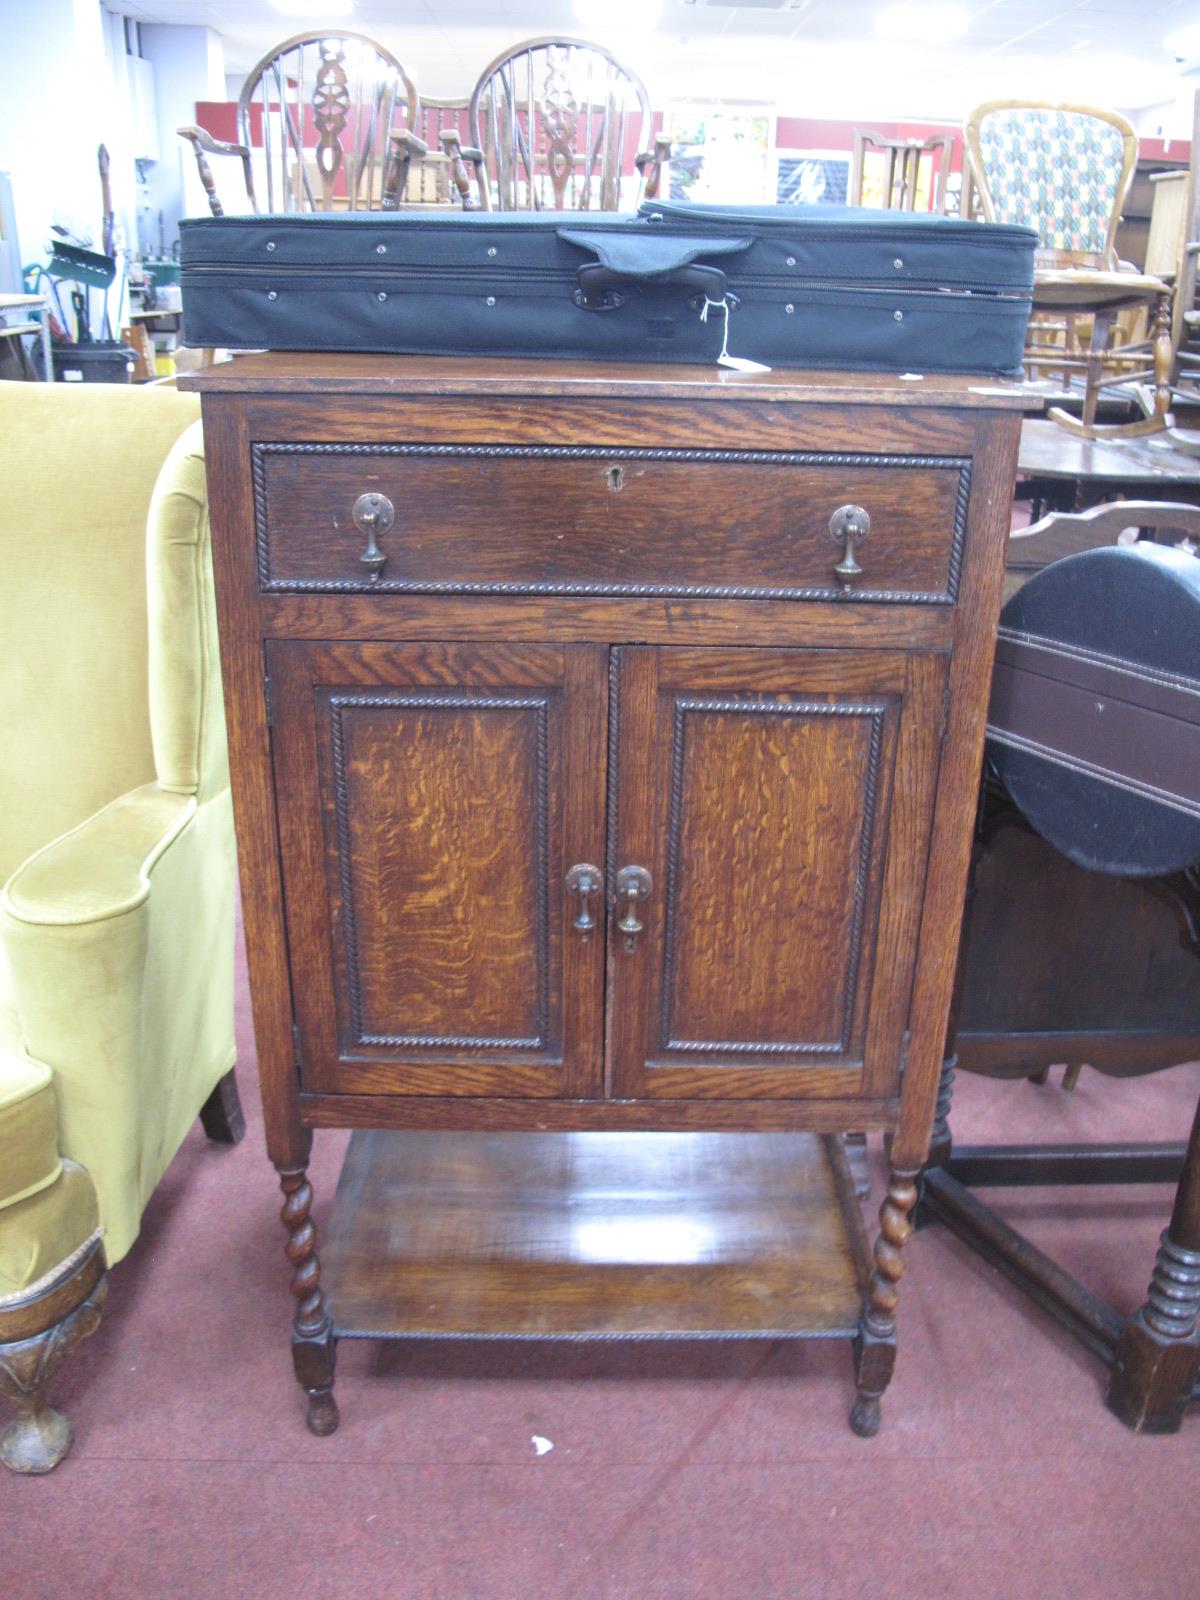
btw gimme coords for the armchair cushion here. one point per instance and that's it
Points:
(28, 1128)
(40, 1234)
(47, 1206)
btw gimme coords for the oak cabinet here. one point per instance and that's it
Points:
(604, 746)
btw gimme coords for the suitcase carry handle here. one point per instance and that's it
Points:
(598, 284)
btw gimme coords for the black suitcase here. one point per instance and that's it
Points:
(806, 286)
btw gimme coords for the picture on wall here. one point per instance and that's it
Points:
(812, 177)
(721, 151)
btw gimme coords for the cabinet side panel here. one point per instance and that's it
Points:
(231, 512)
(997, 440)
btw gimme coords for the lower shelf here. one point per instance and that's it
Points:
(595, 1236)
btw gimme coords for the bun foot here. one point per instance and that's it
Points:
(322, 1417)
(865, 1418)
(35, 1442)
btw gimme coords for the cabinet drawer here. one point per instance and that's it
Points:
(554, 519)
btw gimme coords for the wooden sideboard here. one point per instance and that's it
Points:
(605, 747)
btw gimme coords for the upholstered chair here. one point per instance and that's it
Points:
(116, 856)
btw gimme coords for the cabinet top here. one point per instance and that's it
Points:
(299, 372)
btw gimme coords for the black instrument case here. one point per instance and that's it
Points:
(807, 286)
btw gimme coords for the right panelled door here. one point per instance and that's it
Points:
(778, 806)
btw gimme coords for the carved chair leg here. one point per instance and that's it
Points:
(1097, 349)
(1164, 356)
(1158, 1358)
(38, 1437)
(221, 1114)
(314, 1348)
(875, 1343)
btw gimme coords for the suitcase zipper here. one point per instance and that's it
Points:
(446, 280)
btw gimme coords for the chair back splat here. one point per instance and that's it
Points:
(563, 126)
(325, 122)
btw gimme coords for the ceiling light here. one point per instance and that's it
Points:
(922, 24)
(1184, 43)
(314, 10)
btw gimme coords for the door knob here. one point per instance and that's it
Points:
(583, 881)
(633, 885)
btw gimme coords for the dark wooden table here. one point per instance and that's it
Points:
(1060, 472)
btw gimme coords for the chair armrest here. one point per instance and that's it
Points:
(101, 868)
(119, 945)
(202, 143)
(201, 139)
(451, 141)
(415, 145)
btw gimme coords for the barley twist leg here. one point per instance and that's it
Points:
(314, 1348)
(875, 1343)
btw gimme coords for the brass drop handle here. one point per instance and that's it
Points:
(849, 526)
(584, 881)
(633, 884)
(373, 514)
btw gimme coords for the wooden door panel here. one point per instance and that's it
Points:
(445, 829)
(764, 871)
(431, 799)
(760, 788)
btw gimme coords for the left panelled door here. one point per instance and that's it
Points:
(432, 799)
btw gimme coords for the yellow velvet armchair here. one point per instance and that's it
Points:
(116, 856)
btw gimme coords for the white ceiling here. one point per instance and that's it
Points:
(807, 56)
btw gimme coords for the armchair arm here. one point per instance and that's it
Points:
(119, 940)
(201, 142)
(102, 868)
(411, 141)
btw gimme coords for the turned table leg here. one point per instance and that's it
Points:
(875, 1342)
(314, 1348)
(1158, 1358)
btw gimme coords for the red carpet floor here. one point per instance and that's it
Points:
(677, 1472)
